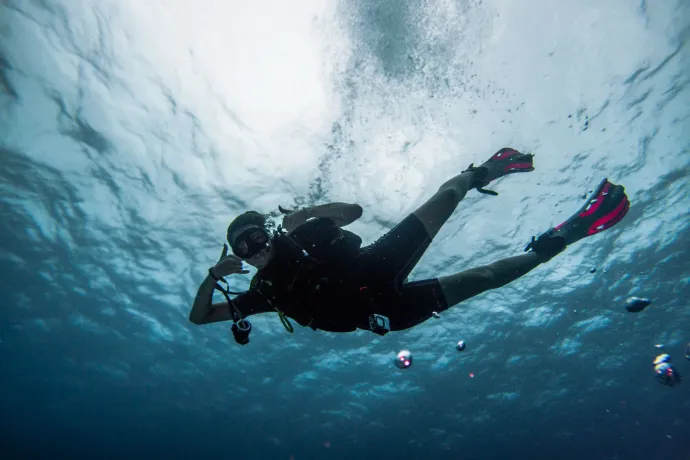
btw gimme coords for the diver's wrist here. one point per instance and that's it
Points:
(212, 274)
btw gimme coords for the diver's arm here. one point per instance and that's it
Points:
(248, 303)
(228, 264)
(341, 213)
(202, 308)
(204, 311)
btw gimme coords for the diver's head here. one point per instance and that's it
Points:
(250, 240)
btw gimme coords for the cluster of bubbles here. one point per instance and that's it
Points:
(403, 359)
(664, 372)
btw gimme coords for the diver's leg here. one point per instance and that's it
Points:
(412, 304)
(437, 209)
(395, 254)
(605, 208)
(416, 302)
(469, 283)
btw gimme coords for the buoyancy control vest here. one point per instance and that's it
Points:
(308, 279)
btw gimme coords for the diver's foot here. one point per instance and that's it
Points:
(505, 161)
(603, 209)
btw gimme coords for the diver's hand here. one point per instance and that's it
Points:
(293, 219)
(228, 264)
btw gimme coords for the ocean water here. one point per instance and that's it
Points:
(132, 132)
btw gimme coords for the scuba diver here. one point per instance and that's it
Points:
(313, 271)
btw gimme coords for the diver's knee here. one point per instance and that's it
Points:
(448, 194)
(487, 279)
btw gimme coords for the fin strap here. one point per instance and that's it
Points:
(546, 246)
(480, 174)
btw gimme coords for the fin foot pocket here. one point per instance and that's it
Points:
(604, 208)
(505, 161)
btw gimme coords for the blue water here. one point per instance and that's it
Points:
(132, 132)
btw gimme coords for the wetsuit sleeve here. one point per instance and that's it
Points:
(315, 232)
(251, 303)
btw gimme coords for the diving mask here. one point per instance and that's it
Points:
(250, 242)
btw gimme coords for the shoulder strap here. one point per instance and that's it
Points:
(259, 285)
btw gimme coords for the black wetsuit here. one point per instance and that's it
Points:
(337, 289)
